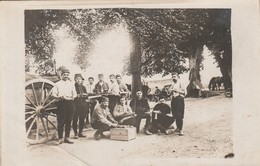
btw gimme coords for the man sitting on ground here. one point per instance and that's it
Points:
(123, 113)
(161, 119)
(102, 120)
(141, 107)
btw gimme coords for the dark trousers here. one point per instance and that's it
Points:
(65, 111)
(162, 123)
(91, 106)
(138, 119)
(79, 115)
(113, 100)
(177, 105)
(130, 120)
(100, 127)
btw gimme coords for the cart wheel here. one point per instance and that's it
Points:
(40, 117)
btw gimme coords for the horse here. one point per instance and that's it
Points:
(215, 83)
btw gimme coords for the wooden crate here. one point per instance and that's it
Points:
(123, 134)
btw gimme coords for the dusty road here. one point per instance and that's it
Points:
(207, 129)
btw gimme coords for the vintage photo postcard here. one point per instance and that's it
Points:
(123, 83)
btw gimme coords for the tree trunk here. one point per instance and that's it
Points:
(193, 89)
(225, 65)
(135, 64)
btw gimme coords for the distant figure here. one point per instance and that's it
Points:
(157, 93)
(145, 90)
(141, 107)
(165, 93)
(177, 103)
(215, 83)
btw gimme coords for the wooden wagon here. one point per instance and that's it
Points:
(40, 108)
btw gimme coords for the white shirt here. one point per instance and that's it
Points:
(90, 88)
(114, 88)
(65, 89)
(176, 88)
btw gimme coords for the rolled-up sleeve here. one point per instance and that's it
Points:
(102, 118)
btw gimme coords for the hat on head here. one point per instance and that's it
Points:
(64, 71)
(175, 73)
(105, 99)
(78, 75)
(161, 97)
(118, 75)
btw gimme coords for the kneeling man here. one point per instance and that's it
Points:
(101, 119)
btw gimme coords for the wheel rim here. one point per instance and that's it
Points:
(39, 111)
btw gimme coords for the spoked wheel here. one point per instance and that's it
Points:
(40, 110)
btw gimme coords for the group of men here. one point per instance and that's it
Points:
(110, 108)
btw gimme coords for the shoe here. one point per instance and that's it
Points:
(75, 137)
(60, 141)
(66, 140)
(177, 131)
(167, 132)
(171, 127)
(81, 136)
(102, 135)
(181, 133)
(159, 132)
(147, 132)
(97, 136)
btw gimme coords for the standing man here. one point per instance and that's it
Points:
(177, 103)
(65, 92)
(101, 86)
(113, 93)
(122, 86)
(141, 107)
(102, 120)
(91, 102)
(82, 107)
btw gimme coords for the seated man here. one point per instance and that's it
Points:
(123, 113)
(101, 119)
(141, 107)
(161, 120)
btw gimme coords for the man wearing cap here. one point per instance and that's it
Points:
(102, 120)
(122, 86)
(81, 106)
(177, 104)
(161, 120)
(101, 86)
(141, 107)
(64, 91)
(113, 93)
(90, 86)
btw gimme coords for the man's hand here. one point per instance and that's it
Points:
(114, 125)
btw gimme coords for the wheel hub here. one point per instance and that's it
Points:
(39, 110)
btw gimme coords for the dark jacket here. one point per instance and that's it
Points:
(80, 101)
(140, 106)
(98, 88)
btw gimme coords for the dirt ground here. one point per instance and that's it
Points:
(207, 129)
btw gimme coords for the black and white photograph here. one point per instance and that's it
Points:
(119, 85)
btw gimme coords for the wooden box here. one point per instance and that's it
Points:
(123, 134)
